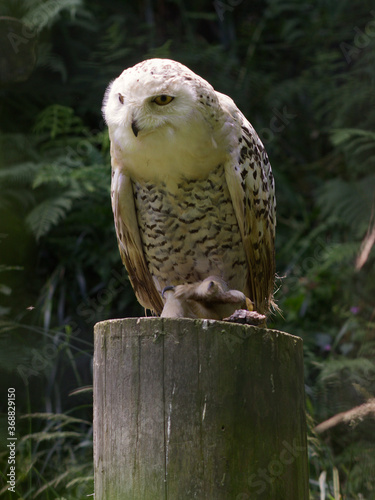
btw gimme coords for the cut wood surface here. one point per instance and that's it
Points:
(197, 409)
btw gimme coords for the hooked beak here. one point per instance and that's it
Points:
(135, 128)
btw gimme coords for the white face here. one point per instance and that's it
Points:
(164, 122)
(153, 94)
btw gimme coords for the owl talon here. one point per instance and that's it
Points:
(243, 316)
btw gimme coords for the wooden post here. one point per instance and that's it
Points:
(198, 409)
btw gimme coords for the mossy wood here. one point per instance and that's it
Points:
(196, 409)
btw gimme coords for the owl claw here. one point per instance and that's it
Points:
(166, 289)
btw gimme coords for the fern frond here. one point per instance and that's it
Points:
(23, 173)
(16, 148)
(55, 172)
(48, 213)
(337, 253)
(43, 14)
(53, 62)
(64, 173)
(358, 147)
(21, 197)
(332, 369)
(343, 135)
(58, 120)
(93, 178)
(348, 202)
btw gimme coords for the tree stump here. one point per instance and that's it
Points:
(198, 409)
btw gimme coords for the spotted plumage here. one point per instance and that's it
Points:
(201, 216)
(192, 187)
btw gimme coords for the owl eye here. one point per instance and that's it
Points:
(162, 100)
(121, 98)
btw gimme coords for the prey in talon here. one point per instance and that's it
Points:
(208, 299)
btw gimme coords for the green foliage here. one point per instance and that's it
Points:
(57, 120)
(346, 202)
(60, 268)
(43, 14)
(53, 441)
(51, 211)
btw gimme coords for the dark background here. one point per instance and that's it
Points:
(303, 73)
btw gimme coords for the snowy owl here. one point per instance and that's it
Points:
(192, 187)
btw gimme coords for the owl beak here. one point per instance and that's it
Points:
(135, 128)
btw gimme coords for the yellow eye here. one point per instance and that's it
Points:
(162, 100)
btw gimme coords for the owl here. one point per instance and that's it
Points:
(192, 189)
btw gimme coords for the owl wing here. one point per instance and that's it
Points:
(251, 186)
(129, 239)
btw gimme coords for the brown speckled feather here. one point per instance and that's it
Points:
(129, 241)
(251, 185)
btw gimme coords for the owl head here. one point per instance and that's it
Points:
(156, 93)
